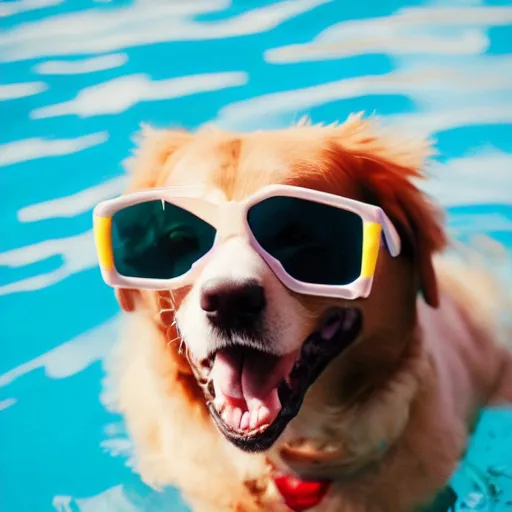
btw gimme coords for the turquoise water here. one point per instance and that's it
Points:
(77, 78)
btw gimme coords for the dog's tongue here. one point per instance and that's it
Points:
(246, 381)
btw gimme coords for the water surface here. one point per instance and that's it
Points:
(77, 78)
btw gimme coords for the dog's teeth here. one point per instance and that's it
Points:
(226, 414)
(219, 403)
(254, 419)
(263, 416)
(236, 417)
(245, 421)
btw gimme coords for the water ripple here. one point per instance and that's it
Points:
(77, 80)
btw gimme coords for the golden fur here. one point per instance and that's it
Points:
(388, 420)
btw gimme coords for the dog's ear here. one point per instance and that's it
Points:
(154, 150)
(417, 220)
(127, 298)
(384, 169)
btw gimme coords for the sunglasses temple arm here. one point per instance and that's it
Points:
(391, 235)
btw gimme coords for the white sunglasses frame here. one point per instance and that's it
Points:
(229, 218)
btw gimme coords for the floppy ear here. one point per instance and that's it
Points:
(417, 220)
(126, 298)
(384, 168)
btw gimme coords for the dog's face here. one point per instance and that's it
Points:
(255, 347)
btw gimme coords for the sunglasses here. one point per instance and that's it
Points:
(315, 243)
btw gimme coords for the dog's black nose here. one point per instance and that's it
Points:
(232, 304)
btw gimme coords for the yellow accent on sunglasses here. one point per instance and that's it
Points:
(371, 244)
(103, 241)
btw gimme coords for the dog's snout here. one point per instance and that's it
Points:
(227, 302)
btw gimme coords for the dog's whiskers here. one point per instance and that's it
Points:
(174, 340)
(168, 301)
(170, 340)
(171, 298)
(168, 305)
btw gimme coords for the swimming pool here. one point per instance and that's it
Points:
(77, 78)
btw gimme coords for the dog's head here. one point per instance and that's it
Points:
(255, 347)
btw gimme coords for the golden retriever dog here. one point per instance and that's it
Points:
(248, 396)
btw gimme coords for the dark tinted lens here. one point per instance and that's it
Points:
(314, 242)
(158, 240)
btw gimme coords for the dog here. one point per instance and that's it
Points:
(383, 414)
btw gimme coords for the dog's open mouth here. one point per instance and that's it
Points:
(252, 395)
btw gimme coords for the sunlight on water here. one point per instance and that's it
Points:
(76, 80)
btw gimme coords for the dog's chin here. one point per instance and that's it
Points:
(252, 395)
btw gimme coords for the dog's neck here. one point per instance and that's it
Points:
(330, 440)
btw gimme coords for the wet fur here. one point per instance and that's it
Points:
(388, 420)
